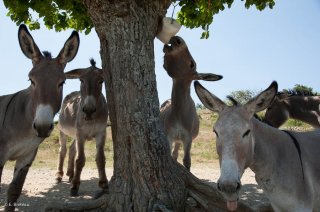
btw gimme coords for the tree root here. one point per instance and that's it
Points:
(77, 205)
(207, 197)
(201, 197)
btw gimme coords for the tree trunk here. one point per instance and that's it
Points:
(144, 173)
(145, 177)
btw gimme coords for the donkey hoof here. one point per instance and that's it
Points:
(74, 192)
(58, 180)
(9, 208)
(70, 179)
(99, 193)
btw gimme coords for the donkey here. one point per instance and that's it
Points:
(178, 115)
(83, 116)
(285, 163)
(26, 117)
(285, 106)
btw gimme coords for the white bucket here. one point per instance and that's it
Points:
(170, 28)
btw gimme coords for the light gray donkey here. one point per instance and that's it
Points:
(285, 163)
(83, 117)
(178, 116)
(303, 108)
(26, 117)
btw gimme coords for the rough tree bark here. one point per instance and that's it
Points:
(145, 176)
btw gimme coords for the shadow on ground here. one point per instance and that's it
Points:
(253, 196)
(57, 193)
(250, 195)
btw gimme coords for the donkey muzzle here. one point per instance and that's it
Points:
(230, 190)
(89, 106)
(43, 121)
(43, 131)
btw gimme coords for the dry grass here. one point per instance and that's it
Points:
(203, 151)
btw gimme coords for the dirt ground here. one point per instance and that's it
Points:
(40, 187)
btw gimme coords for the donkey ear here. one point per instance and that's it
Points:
(208, 77)
(75, 73)
(209, 100)
(70, 48)
(262, 100)
(28, 46)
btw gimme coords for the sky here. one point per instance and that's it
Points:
(250, 48)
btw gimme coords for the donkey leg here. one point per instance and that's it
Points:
(72, 155)
(1, 168)
(101, 162)
(79, 164)
(187, 157)
(175, 152)
(15, 187)
(62, 155)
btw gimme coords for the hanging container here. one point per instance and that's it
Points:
(170, 27)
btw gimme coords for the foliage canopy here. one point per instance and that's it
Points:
(61, 15)
(302, 90)
(242, 96)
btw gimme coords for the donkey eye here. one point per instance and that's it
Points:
(100, 82)
(81, 80)
(246, 133)
(215, 132)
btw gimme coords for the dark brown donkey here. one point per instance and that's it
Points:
(26, 117)
(83, 116)
(285, 106)
(178, 116)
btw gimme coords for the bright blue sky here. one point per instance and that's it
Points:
(248, 47)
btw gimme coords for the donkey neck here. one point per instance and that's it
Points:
(267, 141)
(13, 109)
(274, 152)
(180, 96)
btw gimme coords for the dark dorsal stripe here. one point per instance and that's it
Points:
(297, 145)
(5, 113)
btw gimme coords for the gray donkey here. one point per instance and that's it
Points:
(285, 163)
(83, 117)
(26, 117)
(178, 116)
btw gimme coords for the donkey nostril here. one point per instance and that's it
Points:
(178, 41)
(218, 186)
(34, 126)
(238, 186)
(51, 127)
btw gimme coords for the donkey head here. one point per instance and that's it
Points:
(277, 113)
(179, 63)
(91, 87)
(234, 141)
(47, 79)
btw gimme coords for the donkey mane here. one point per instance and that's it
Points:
(233, 100)
(47, 54)
(10, 100)
(292, 92)
(236, 103)
(93, 62)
